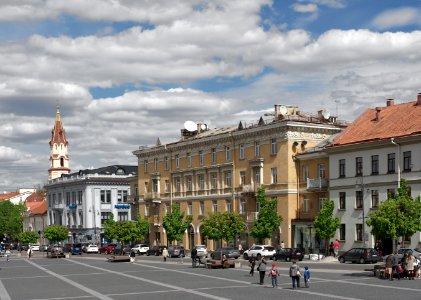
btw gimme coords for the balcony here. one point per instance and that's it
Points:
(248, 189)
(155, 197)
(317, 184)
(251, 216)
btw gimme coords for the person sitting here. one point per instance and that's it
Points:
(225, 263)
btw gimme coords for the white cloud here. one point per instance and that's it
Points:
(328, 3)
(397, 17)
(304, 8)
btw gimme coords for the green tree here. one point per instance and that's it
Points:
(11, 219)
(125, 231)
(222, 226)
(268, 219)
(325, 223)
(109, 228)
(28, 237)
(142, 228)
(398, 216)
(56, 233)
(174, 224)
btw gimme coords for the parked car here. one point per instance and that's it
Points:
(176, 251)
(414, 251)
(259, 251)
(92, 249)
(140, 249)
(202, 251)
(76, 249)
(120, 249)
(360, 255)
(288, 254)
(55, 251)
(155, 250)
(43, 248)
(229, 252)
(35, 247)
(23, 247)
(107, 249)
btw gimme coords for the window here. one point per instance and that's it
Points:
(146, 166)
(122, 196)
(227, 153)
(322, 199)
(201, 182)
(214, 206)
(391, 163)
(342, 230)
(374, 198)
(201, 208)
(273, 146)
(390, 193)
(358, 166)
(167, 186)
(228, 179)
(167, 209)
(304, 173)
(213, 155)
(123, 216)
(155, 183)
(321, 170)
(189, 183)
(105, 216)
(214, 181)
(73, 197)
(60, 198)
(274, 174)
(79, 197)
(359, 232)
(242, 206)
(256, 149)
(341, 168)
(189, 208)
(188, 157)
(374, 164)
(146, 211)
(306, 205)
(105, 196)
(229, 205)
(201, 158)
(342, 200)
(359, 199)
(177, 161)
(242, 178)
(257, 176)
(177, 184)
(242, 151)
(407, 161)
(166, 164)
(155, 164)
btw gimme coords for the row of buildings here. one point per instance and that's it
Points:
(301, 159)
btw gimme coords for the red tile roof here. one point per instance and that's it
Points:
(8, 195)
(383, 123)
(37, 208)
(58, 134)
(34, 197)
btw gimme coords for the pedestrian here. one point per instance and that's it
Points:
(417, 268)
(165, 254)
(331, 249)
(410, 261)
(404, 264)
(193, 257)
(395, 266)
(29, 252)
(240, 248)
(336, 248)
(273, 274)
(261, 267)
(294, 273)
(388, 267)
(306, 276)
(132, 256)
(252, 264)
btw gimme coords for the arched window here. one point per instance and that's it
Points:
(61, 162)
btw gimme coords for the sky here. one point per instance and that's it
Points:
(127, 72)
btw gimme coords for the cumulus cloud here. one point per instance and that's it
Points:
(398, 17)
(305, 8)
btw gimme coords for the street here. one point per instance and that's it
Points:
(92, 277)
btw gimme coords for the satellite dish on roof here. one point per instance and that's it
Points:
(326, 115)
(190, 126)
(203, 126)
(283, 110)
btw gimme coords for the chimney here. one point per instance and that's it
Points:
(419, 99)
(378, 109)
(390, 102)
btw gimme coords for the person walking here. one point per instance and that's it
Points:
(388, 267)
(410, 262)
(29, 252)
(306, 277)
(261, 267)
(294, 273)
(273, 274)
(193, 257)
(252, 264)
(336, 248)
(395, 264)
(132, 256)
(165, 254)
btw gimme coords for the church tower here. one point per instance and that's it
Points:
(59, 160)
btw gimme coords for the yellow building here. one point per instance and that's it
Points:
(209, 170)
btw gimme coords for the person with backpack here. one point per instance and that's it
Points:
(252, 264)
(306, 277)
(273, 274)
(294, 273)
(395, 266)
(261, 267)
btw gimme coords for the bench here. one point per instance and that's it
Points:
(215, 264)
(118, 258)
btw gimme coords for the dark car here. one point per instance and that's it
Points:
(288, 254)
(155, 250)
(229, 252)
(107, 249)
(120, 249)
(76, 249)
(176, 251)
(360, 255)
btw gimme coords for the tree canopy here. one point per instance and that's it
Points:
(11, 219)
(398, 216)
(28, 237)
(126, 231)
(222, 226)
(174, 224)
(268, 219)
(325, 223)
(56, 233)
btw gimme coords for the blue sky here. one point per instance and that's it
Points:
(126, 72)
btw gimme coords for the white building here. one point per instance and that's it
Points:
(83, 201)
(366, 163)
